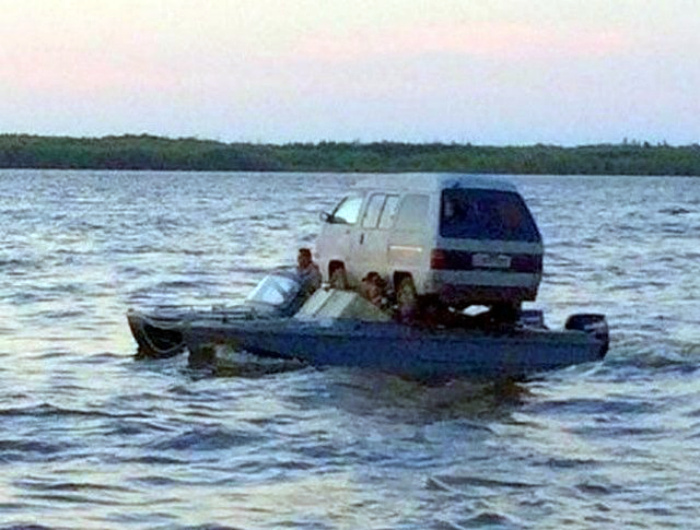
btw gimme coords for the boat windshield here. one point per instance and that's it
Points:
(274, 290)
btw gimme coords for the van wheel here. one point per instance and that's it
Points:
(339, 279)
(407, 300)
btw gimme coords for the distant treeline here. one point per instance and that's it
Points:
(157, 153)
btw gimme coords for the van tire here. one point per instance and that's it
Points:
(338, 279)
(407, 299)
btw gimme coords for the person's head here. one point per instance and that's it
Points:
(373, 278)
(304, 258)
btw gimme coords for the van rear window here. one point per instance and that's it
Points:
(486, 214)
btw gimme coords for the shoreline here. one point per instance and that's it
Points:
(154, 153)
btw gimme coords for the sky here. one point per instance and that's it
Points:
(488, 72)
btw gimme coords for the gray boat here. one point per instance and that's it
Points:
(339, 328)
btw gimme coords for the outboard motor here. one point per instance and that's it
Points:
(595, 325)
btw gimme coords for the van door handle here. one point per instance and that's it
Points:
(362, 238)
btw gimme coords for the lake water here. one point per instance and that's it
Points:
(91, 438)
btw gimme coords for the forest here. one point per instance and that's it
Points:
(147, 152)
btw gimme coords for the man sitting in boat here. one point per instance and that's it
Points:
(308, 273)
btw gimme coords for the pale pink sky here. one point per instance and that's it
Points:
(492, 72)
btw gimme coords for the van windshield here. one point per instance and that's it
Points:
(347, 211)
(486, 214)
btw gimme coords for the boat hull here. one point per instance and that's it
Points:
(400, 349)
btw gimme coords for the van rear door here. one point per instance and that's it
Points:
(502, 232)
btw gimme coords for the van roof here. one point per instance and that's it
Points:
(435, 182)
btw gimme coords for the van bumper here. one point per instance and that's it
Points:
(461, 289)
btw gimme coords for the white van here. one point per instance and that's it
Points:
(459, 240)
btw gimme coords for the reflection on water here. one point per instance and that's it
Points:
(371, 394)
(241, 364)
(92, 438)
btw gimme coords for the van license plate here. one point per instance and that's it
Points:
(491, 261)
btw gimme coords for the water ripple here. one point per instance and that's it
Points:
(212, 439)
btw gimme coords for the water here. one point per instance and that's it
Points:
(91, 438)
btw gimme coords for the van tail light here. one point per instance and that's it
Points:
(438, 259)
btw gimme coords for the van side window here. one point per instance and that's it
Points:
(389, 211)
(347, 211)
(374, 208)
(413, 213)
